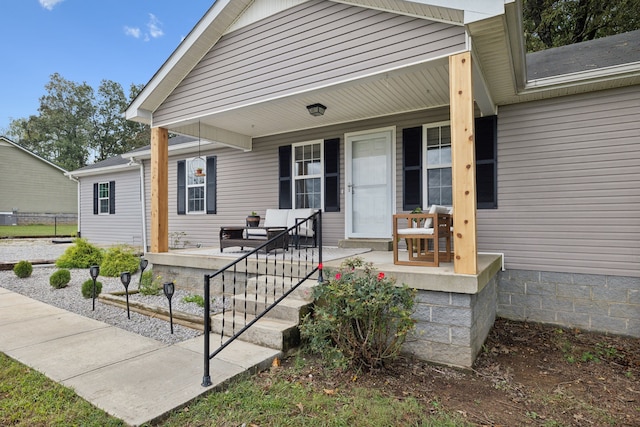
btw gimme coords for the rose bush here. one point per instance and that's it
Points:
(361, 318)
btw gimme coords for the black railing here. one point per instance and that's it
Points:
(273, 277)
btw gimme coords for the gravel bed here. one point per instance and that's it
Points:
(14, 250)
(70, 298)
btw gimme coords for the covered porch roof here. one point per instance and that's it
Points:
(392, 89)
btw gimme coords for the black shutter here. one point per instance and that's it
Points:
(112, 197)
(486, 142)
(95, 198)
(182, 188)
(411, 168)
(284, 177)
(211, 185)
(332, 175)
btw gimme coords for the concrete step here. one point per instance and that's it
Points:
(291, 309)
(272, 333)
(276, 285)
(383, 245)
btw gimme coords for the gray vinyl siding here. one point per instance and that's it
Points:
(123, 227)
(30, 185)
(306, 47)
(568, 185)
(249, 181)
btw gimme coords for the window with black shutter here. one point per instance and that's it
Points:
(486, 142)
(104, 198)
(411, 168)
(284, 177)
(332, 175)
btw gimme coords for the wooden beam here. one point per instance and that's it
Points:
(463, 164)
(159, 190)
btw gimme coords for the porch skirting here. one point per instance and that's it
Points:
(600, 303)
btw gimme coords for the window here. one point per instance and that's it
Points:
(104, 198)
(307, 175)
(427, 177)
(196, 185)
(438, 149)
(196, 173)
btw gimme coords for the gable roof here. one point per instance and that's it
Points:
(226, 15)
(10, 142)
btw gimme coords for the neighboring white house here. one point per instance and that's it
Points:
(110, 202)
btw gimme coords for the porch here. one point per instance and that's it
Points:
(453, 312)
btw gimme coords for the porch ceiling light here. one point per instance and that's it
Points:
(316, 109)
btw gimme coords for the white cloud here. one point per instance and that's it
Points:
(49, 4)
(133, 32)
(154, 26)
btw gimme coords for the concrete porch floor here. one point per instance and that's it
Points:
(441, 278)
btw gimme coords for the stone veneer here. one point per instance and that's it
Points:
(609, 304)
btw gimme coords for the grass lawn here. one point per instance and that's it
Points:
(30, 399)
(38, 230)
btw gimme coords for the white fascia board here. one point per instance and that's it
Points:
(101, 171)
(582, 77)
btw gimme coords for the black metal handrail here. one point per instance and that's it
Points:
(305, 268)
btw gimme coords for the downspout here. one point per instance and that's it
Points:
(77, 181)
(132, 162)
(143, 210)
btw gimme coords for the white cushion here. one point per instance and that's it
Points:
(276, 218)
(415, 231)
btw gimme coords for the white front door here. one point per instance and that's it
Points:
(370, 195)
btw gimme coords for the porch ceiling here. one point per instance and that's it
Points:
(412, 88)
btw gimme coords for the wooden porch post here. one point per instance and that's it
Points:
(463, 164)
(159, 190)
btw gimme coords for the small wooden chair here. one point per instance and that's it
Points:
(423, 233)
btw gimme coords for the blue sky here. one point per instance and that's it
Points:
(85, 41)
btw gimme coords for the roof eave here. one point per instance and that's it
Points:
(101, 170)
(583, 77)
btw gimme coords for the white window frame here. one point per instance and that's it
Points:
(190, 168)
(427, 167)
(297, 177)
(101, 198)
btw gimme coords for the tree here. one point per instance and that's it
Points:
(553, 23)
(74, 122)
(63, 126)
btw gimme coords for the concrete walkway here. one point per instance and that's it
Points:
(134, 378)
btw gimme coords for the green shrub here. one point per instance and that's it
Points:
(197, 299)
(149, 285)
(60, 278)
(81, 255)
(119, 259)
(23, 269)
(87, 288)
(361, 318)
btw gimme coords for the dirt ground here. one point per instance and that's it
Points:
(526, 375)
